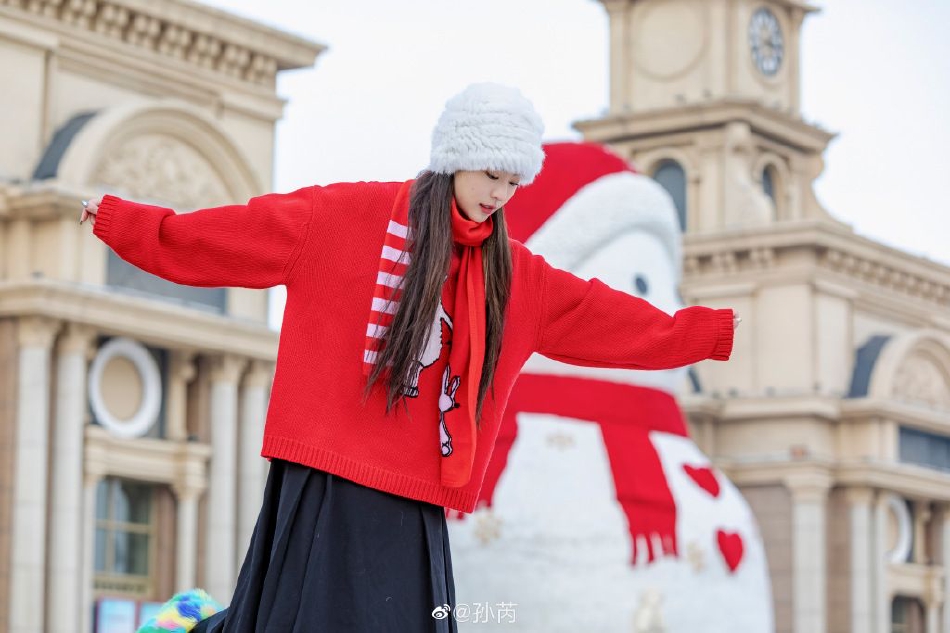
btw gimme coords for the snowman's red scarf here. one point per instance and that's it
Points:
(468, 314)
(626, 414)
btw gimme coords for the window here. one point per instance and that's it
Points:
(924, 449)
(768, 182)
(907, 615)
(125, 528)
(671, 177)
(124, 277)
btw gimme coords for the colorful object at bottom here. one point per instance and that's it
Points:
(182, 613)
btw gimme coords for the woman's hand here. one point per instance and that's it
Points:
(736, 320)
(89, 210)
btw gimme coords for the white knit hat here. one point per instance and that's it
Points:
(488, 126)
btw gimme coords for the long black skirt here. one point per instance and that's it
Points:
(330, 555)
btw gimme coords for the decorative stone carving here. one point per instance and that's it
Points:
(174, 41)
(920, 380)
(139, 28)
(79, 12)
(156, 167)
(111, 20)
(204, 50)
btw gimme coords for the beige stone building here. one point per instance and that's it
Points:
(834, 415)
(115, 386)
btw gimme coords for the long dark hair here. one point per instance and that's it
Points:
(430, 207)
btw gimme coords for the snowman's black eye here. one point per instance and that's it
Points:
(643, 287)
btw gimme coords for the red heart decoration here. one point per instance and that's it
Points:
(730, 544)
(704, 477)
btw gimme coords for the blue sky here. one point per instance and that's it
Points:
(870, 72)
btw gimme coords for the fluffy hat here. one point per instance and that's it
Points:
(488, 126)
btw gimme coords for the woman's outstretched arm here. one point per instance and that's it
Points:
(589, 323)
(252, 246)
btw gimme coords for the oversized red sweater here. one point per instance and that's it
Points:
(324, 244)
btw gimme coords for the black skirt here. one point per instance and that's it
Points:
(330, 555)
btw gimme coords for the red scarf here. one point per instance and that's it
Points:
(467, 312)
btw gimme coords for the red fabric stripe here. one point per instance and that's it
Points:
(626, 415)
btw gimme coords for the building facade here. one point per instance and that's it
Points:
(131, 409)
(834, 415)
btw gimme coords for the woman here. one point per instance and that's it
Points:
(409, 314)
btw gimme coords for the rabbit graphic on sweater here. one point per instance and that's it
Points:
(447, 402)
(431, 351)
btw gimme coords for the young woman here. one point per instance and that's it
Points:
(409, 314)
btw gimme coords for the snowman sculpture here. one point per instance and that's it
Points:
(598, 512)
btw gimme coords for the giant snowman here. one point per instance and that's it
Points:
(598, 512)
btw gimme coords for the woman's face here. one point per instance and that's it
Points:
(478, 194)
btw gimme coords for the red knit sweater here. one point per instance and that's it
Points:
(324, 244)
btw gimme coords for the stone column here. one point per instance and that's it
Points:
(252, 467)
(64, 606)
(220, 567)
(29, 495)
(186, 533)
(90, 486)
(181, 372)
(860, 501)
(880, 590)
(809, 550)
(932, 603)
(922, 517)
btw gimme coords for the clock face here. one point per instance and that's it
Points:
(766, 42)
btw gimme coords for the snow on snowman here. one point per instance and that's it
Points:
(598, 512)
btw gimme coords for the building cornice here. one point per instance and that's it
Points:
(619, 128)
(824, 252)
(792, 4)
(181, 464)
(907, 480)
(822, 408)
(202, 37)
(861, 410)
(152, 321)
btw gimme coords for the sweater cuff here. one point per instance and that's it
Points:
(104, 219)
(725, 335)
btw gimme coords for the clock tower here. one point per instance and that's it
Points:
(832, 415)
(705, 97)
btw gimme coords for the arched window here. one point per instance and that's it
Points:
(768, 182)
(907, 615)
(671, 177)
(771, 186)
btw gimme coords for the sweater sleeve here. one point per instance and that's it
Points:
(589, 323)
(252, 246)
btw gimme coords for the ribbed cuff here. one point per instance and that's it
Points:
(725, 335)
(104, 214)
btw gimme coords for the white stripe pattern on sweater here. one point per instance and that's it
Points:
(397, 229)
(395, 255)
(385, 279)
(376, 331)
(384, 306)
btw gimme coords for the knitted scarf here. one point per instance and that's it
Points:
(468, 327)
